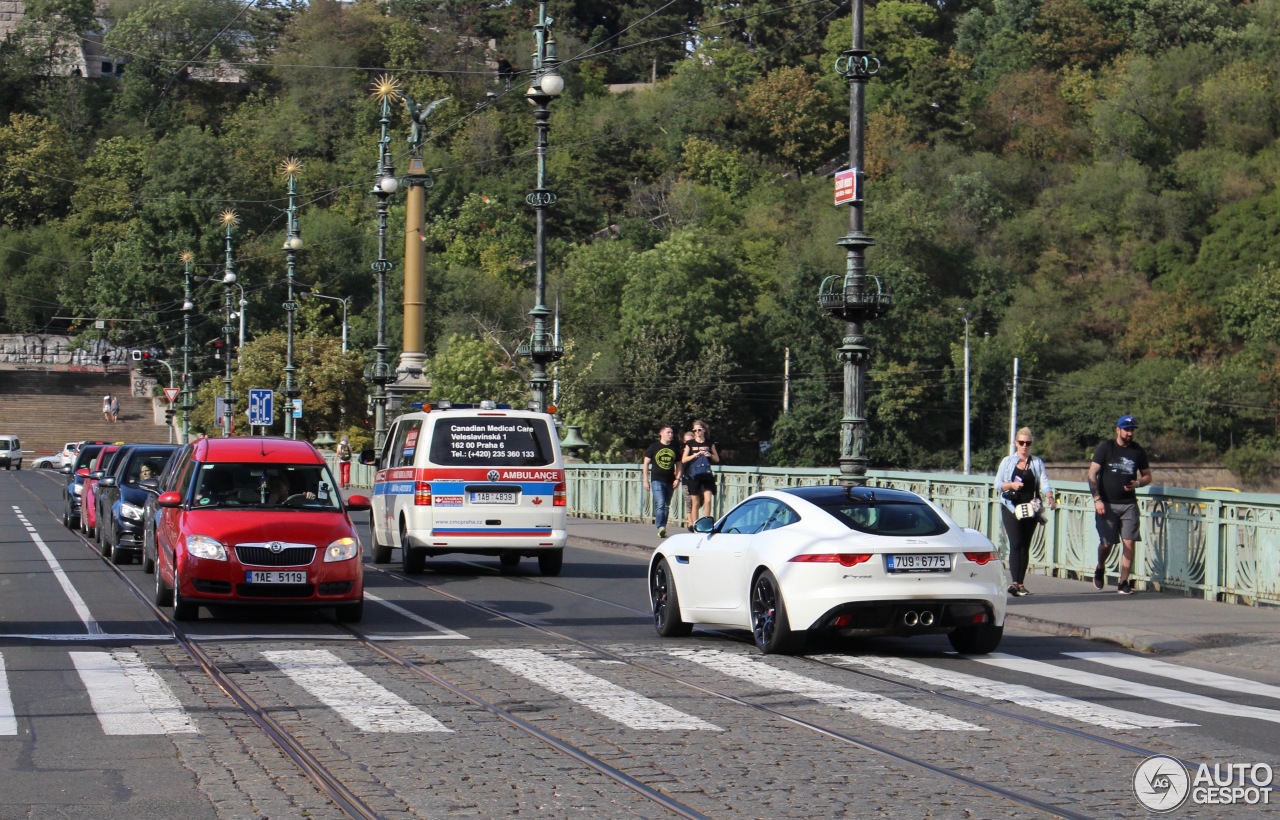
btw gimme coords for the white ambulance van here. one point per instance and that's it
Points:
(484, 481)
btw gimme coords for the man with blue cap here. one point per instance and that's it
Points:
(1118, 469)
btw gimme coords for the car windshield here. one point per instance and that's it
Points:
(895, 519)
(305, 487)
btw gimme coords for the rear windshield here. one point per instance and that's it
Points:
(496, 441)
(899, 520)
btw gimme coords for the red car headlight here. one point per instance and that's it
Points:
(202, 546)
(342, 550)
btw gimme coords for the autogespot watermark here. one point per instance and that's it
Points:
(1162, 784)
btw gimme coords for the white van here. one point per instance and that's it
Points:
(484, 481)
(10, 453)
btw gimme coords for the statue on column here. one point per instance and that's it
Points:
(418, 121)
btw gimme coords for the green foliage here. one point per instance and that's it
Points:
(471, 369)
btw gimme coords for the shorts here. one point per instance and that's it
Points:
(700, 484)
(1119, 522)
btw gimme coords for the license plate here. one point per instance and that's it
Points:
(274, 576)
(494, 498)
(919, 563)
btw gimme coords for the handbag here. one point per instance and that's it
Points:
(1029, 510)
(699, 467)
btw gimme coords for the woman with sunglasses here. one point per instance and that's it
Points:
(699, 455)
(1020, 481)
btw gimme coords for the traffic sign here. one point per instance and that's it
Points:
(297, 408)
(261, 407)
(171, 393)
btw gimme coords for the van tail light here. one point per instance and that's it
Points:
(559, 498)
(980, 557)
(422, 494)
(845, 559)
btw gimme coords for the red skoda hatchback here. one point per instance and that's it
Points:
(253, 521)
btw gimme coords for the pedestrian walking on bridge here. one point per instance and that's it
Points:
(661, 471)
(1118, 469)
(1021, 481)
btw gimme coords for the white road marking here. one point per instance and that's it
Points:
(445, 632)
(360, 701)
(1200, 677)
(128, 696)
(81, 608)
(597, 694)
(1026, 696)
(867, 705)
(1173, 697)
(8, 718)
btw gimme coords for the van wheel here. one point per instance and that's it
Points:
(381, 554)
(412, 561)
(550, 562)
(509, 561)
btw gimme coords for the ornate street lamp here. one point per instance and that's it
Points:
(966, 391)
(542, 348)
(855, 297)
(384, 185)
(345, 300)
(229, 220)
(187, 306)
(292, 244)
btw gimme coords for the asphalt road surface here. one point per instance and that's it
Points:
(466, 691)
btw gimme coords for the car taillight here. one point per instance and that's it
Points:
(422, 494)
(559, 498)
(980, 557)
(845, 559)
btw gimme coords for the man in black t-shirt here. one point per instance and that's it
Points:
(661, 472)
(1119, 468)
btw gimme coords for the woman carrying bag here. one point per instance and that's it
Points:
(1021, 480)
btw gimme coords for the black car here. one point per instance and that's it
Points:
(75, 483)
(122, 500)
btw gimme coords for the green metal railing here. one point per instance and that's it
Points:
(1216, 545)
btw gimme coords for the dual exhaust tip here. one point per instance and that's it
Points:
(913, 618)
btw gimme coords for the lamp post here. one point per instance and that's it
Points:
(384, 185)
(345, 300)
(542, 348)
(292, 244)
(855, 297)
(966, 391)
(187, 306)
(229, 221)
(244, 303)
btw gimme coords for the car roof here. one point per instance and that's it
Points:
(256, 450)
(864, 495)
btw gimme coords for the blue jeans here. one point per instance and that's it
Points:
(662, 492)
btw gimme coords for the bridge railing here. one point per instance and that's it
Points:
(1216, 545)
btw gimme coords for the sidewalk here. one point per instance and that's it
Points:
(1147, 621)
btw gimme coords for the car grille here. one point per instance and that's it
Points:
(260, 555)
(275, 590)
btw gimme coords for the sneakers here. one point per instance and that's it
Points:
(1125, 588)
(1018, 591)
(1013, 590)
(662, 532)
(1099, 578)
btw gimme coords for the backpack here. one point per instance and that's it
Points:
(699, 467)
(344, 452)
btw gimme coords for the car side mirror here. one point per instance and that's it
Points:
(368, 456)
(704, 525)
(107, 481)
(151, 485)
(169, 499)
(66, 470)
(358, 503)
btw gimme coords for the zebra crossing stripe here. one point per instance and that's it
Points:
(1173, 697)
(597, 694)
(866, 705)
(355, 696)
(128, 697)
(1186, 674)
(1025, 696)
(8, 719)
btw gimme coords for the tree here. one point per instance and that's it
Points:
(472, 369)
(36, 177)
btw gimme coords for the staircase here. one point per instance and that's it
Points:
(47, 408)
